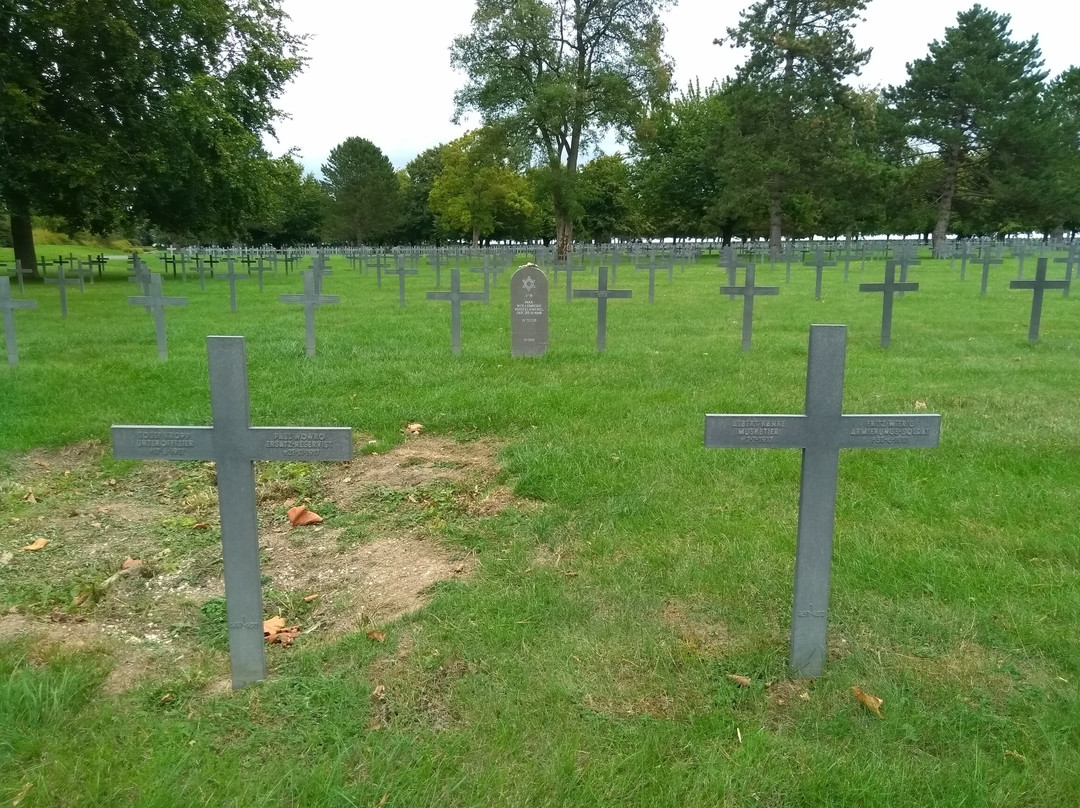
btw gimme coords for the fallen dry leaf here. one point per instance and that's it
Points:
(1015, 755)
(22, 794)
(376, 636)
(382, 802)
(168, 697)
(130, 563)
(873, 703)
(37, 544)
(413, 429)
(110, 481)
(30, 497)
(309, 598)
(286, 635)
(273, 626)
(299, 515)
(741, 681)
(201, 526)
(920, 405)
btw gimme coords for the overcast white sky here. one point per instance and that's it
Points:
(380, 69)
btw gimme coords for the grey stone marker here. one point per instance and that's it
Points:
(233, 444)
(749, 292)
(455, 296)
(729, 260)
(261, 268)
(1070, 260)
(319, 270)
(889, 287)
(310, 300)
(819, 266)
(821, 433)
(529, 312)
(61, 282)
(232, 276)
(569, 269)
(986, 260)
(401, 272)
(1038, 286)
(7, 308)
(156, 303)
(652, 268)
(602, 295)
(906, 257)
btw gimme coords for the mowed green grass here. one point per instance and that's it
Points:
(604, 680)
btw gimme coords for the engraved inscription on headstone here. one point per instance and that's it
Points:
(233, 444)
(821, 433)
(529, 311)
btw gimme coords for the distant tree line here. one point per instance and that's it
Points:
(103, 132)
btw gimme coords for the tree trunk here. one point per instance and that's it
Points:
(776, 222)
(475, 237)
(564, 233)
(948, 191)
(22, 238)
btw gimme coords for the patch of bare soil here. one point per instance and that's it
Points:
(75, 458)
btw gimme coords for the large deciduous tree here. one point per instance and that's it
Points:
(970, 101)
(363, 189)
(789, 97)
(114, 109)
(558, 75)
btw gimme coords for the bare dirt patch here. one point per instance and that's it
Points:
(74, 458)
(699, 634)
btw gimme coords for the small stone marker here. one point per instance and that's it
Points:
(401, 272)
(529, 312)
(455, 296)
(233, 444)
(1070, 261)
(232, 276)
(261, 268)
(1038, 286)
(821, 433)
(889, 287)
(749, 292)
(986, 260)
(7, 308)
(156, 303)
(310, 300)
(319, 270)
(729, 260)
(61, 282)
(907, 256)
(819, 266)
(602, 295)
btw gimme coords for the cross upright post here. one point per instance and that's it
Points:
(1020, 252)
(749, 291)
(569, 269)
(729, 260)
(1070, 261)
(986, 260)
(7, 308)
(232, 276)
(155, 302)
(455, 296)
(602, 294)
(310, 300)
(651, 267)
(821, 433)
(490, 273)
(435, 262)
(819, 266)
(233, 445)
(61, 282)
(965, 254)
(260, 269)
(1038, 287)
(889, 287)
(905, 258)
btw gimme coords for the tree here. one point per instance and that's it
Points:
(788, 98)
(969, 101)
(608, 202)
(363, 191)
(557, 75)
(479, 188)
(294, 209)
(121, 109)
(417, 224)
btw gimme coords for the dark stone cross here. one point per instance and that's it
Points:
(749, 292)
(379, 264)
(7, 309)
(652, 266)
(965, 254)
(821, 433)
(491, 274)
(455, 296)
(889, 287)
(1038, 286)
(61, 282)
(602, 295)
(232, 276)
(261, 268)
(569, 268)
(202, 269)
(401, 272)
(906, 257)
(1070, 261)
(435, 262)
(729, 260)
(319, 270)
(986, 260)
(233, 445)
(156, 303)
(1019, 252)
(310, 300)
(140, 273)
(819, 266)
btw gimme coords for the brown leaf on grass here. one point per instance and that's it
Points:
(741, 681)
(272, 626)
(873, 703)
(110, 481)
(309, 598)
(37, 544)
(413, 429)
(30, 497)
(286, 635)
(201, 526)
(376, 636)
(299, 515)
(167, 698)
(1012, 753)
(22, 794)
(920, 405)
(130, 563)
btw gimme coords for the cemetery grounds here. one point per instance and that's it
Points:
(534, 585)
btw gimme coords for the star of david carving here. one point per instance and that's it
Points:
(528, 284)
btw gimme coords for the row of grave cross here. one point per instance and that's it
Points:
(234, 445)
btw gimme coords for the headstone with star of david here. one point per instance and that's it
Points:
(529, 311)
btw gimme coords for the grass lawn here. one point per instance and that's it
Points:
(565, 577)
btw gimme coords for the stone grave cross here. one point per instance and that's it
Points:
(602, 294)
(986, 260)
(819, 266)
(156, 303)
(821, 433)
(1038, 287)
(889, 287)
(232, 276)
(455, 296)
(1070, 260)
(310, 300)
(233, 445)
(61, 281)
(749, 291)
(7, 308)
(729, 260)
(401, 271)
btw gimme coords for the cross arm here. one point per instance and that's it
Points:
(755, 431)
(163, 443)
(299, 443)
(889, 431)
